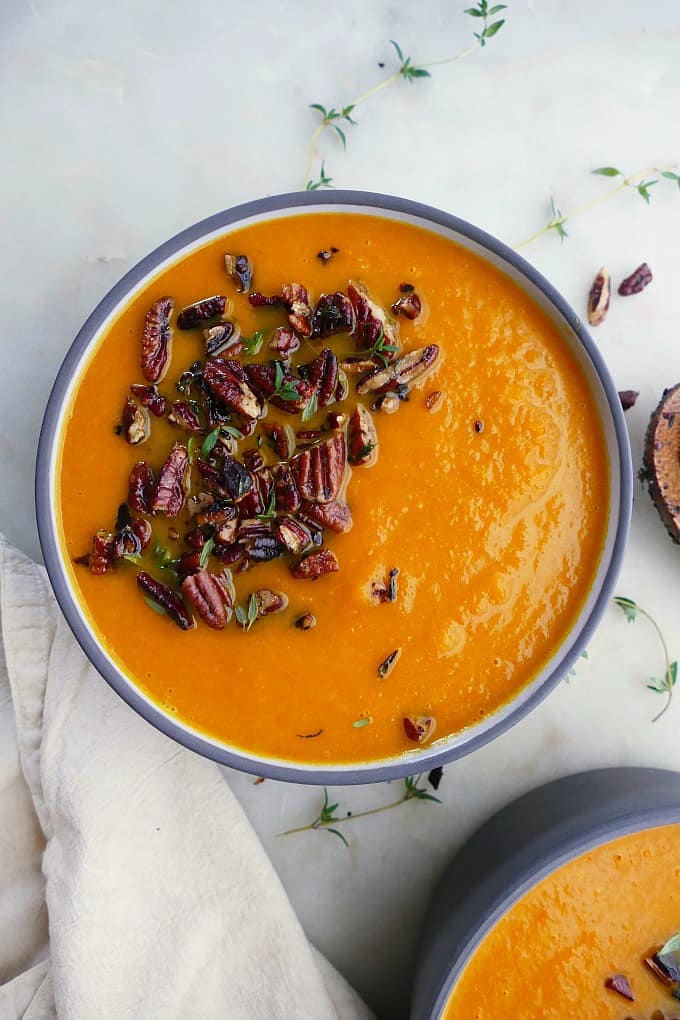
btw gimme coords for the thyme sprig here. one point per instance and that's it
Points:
(247, 616)
(666, 683)
(327, 819)
(284, 389)
(338, 120)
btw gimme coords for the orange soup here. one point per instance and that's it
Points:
(582, 942)
(451, 473)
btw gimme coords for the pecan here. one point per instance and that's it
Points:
(388, 664)
(101, 552)
(598, 298)
(281, 438)
(333, 314)
(199, 502)
(434, 400)
(212, 476)
(188, 563)
(172, 483)
(292, 535)
(173, 534)
(264, 301)
(306, 622)
(323, 561)
(333, 515)
(195, 538)
(336, 420)
(371, 323)
(362, 437)
(419, 727)
(140, 488)
(186, 416)
(401, 372)
(296, 300)
(319, 470)
(201, 311)
(479, 426)
(620, 984)
(628, 398)
(257, 498)
(148, 396)
(211, 597)
(259, 541)
(136, 422)
(285, 489)
(226, 532)
(240, 269)
(387, 403)
(236, 478)
(409, 305)
(126, 542)
(142, 530)
(358, 366)
(284, 342)
(253, 460)
(157, 340)
(226, 335)
(263, 378)
(192, 377)
(323, 375)
(637, 281)
(226, 379)
(216, 513)
(167, 599)
(270, 602)
(305, 437)
(229, 553)
(386, 592)
(327, 254)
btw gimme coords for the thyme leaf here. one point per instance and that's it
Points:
(311, 407)
(205, 551)
(667, 682)
(154, 605)
(253, 344)
(270, 512)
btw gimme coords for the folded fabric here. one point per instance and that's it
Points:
(131, 883)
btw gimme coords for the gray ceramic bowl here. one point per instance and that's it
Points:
(517, 848)
(575, 335)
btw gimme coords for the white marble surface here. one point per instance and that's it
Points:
(124, 122)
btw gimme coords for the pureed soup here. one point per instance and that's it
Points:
(596, 940)
(361, 507)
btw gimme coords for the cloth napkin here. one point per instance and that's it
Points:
(131, 883)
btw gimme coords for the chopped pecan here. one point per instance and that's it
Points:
(253, 459)
(284, 342)
(201, 311)
(259, 541)
(388, 664)
(226, 532)
(229, 553)
(186, 416)
(419, 727)
(212, 476)
(141, 488)
(148, 396)
(173, 534)
(620, 984)
(281, 438)
(386, 592)
(479, 426)
(323, 375)
(101, 552)
(598, 298)
(157, 340)
(305, 437)
(188, 563)
(257, 500)
(316, 564)
(142, 530)
(211, 596)
(637, 281)
(167, 599)
(258, 300)
(199, 502)
(172, 483)
(333, 314)
(401, 372)
(236, 478)
(327, 254)
(336, 420)
(387, 403)
(195, 538)
(333, 515)
(285, 489)
(192, 377)
(292, 535)
(358, 366)
(136, 422)
(306, 622)
(270, 602)
(264, 379)
(319, 470)
(126, 542)
(224, 336)
(362, 437)
(371, 323)
(240, 269)
(296, 300)
(409, 305)
(628, 398)
(216, 513)
(434, 400)
(227, 380)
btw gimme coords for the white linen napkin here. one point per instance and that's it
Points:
(131, 883)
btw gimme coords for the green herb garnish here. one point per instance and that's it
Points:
(311, 407)
(322, 181)
(205, 552)
(666, 683)
(284, 389)
(191, 448)
(360, 723)
(163, 558)
(209, 443)
(482, 10)
(154, 605)
(133, 558)
(270, 512)
(247, 617)
(253, 344)
(407, 69)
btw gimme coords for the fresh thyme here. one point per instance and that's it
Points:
(666, 683)
(284, 389)
(247, 617)
(163, 558)
(253, 344)
(154, 605)
(205, 552)
(191, 448)
(310, 408)
(327, 819)
(270, 513)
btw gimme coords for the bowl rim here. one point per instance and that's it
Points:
(350, 772)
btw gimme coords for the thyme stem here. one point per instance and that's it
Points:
(667, 673)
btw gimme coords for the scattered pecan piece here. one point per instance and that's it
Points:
(126, 542)
(401, 372)
(387, 403)
(216, 513)
(195, 538)
(357, 366)
(141, 488)
(388, 664)
(240, 269)
(285, 489)
(211, 596)
(258, 300)
(323, 375)
(188, 563)
(362, 437)
(336, 420)
(327, 254)
(479, 426)
(212, 477)
(619, 983)
(263, 378)
(292, 535)
(305, 437)
(333, 314)
(319, 470)
(172, 483)
(651, 963)
(419, 727)
(408, 304)
(201, 311)
(136, 422)
(192, 377)
(227, 380)
(281, 438)
(149, 397)
(598, 298)
(167, 599)
(186, 416)
(284, 342)
(324, 561)
(225, 336)
(370, 323)
(628, 398)
(306, 622)
(259, 541)
(101, 552)
(270, 602)
(173, 534)
(386, 592)
(253, 459)
(296, 300)
(434, 400)
(199, 502)
(333, 515)
(637, 281)
(157, 340)
(236, 478)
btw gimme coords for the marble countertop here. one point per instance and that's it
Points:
(125, 122)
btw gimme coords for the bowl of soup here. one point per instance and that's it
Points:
(565, 904)
(334, 487)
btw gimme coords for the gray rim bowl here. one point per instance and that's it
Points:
(519, 846)
(575, 335)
